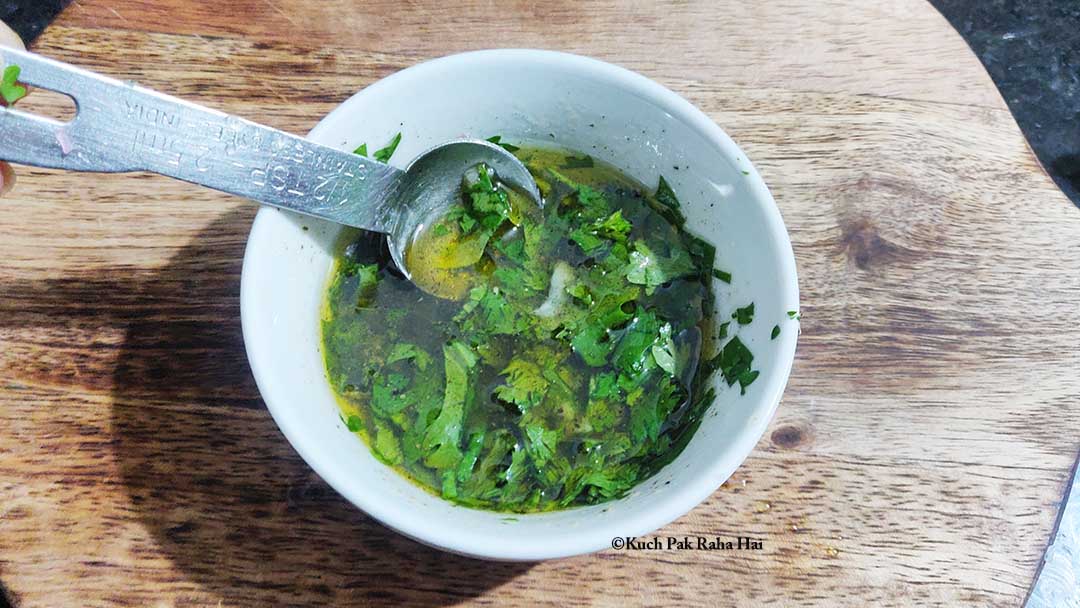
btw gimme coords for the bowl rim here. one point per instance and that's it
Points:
(678, 501)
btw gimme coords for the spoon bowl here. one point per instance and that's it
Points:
(432, 186)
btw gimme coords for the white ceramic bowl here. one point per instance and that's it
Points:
(527, 96)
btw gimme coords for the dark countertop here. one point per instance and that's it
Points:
(29, 17)
(1032, 50)
(1030, 47)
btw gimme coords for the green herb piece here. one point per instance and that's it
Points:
(792, 314)
(520, 282)
(722, 275)
(468, 223)
(734, 363)
(652, 270)
(665, 195)
(362, 150)
(353, 423)
(593, 345)
(775, 332)
(405, 352)
(644, 419)
(744, 315)
(441, 229)
(442, 439)
(663, 350)
(542, 443)
(587, 203)
(592, 201)
(722, 331)
(668, 204)
(497, 140)
(525, 385)
(488, 311)
(595, 235)
(10, 89)
(633, 355)
(387, 446)
(368, 281)
(579, 162)
(471, 455)
(388, 395)
(591, 338)
(383, 154)
(581, 293)
(746, 378)
(449, 488)
(604, 409)
(487, 204)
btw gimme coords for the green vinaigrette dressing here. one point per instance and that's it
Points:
(563, 363)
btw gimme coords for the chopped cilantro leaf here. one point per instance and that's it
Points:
(592, 340)
(404, 351)
(746, 379)
(744, 315)
(467, 223)
(587, 202)
(644, 419)
(663, 350)
(362, 150)
(735, 361)
(722, 331)
(497, 140)
(722, 275)
(542, 443)
(469, 458)
(442, 438)
(10, 89)
(792, 314)
(368, 281)
(449, 485)
(593, 345)
(388, 394)
(489, 309)
(632, 356)
(579, 162)
(652, 270)
(383, 154)
(387, 445)
(525, 384)
(353, 423)
(581, 293)
(775, 332)
(667, 204)
(487, 204)
(593, 236)
(665, 195)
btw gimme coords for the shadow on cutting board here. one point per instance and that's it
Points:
(228, 500)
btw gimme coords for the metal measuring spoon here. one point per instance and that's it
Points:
(122, 127)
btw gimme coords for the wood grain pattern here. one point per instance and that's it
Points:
(917, 458)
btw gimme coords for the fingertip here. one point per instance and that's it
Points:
(9, 38)
(7, 178)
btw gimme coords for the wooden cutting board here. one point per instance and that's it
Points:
(918, 456)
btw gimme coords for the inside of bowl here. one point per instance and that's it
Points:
(582, 105)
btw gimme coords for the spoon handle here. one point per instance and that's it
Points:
(124, 127)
